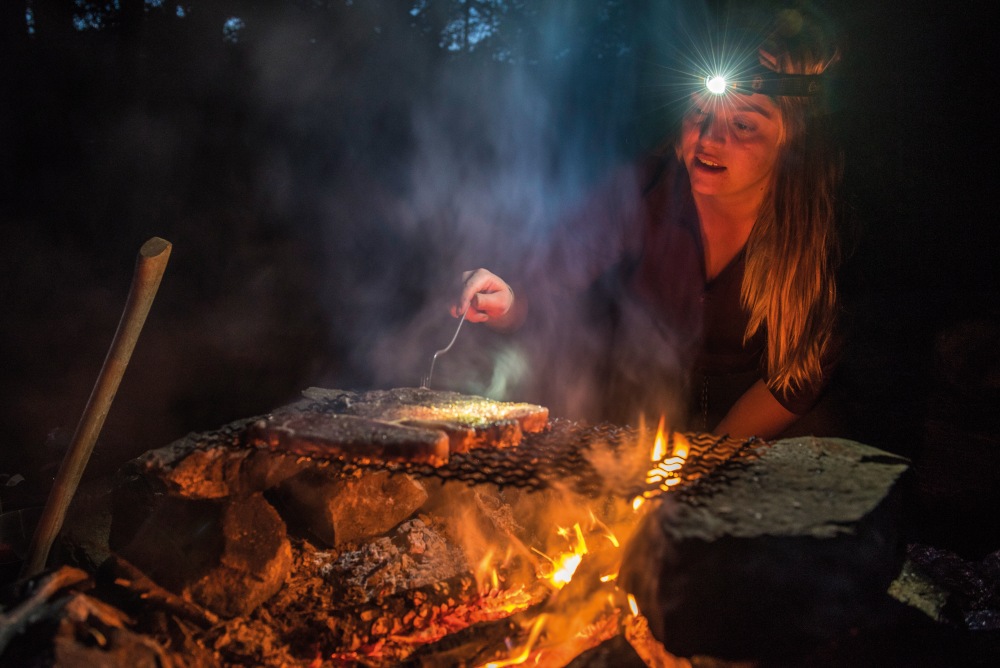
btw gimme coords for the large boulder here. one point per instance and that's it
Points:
(782, 548)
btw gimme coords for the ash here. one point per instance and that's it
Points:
(413, 555)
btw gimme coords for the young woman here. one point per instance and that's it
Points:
(725, 242)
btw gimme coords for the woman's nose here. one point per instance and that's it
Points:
(713, 128)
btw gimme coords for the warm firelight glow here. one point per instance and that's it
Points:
(659, 444)
(664, 473)
(565, 565)
(606, 532)
(486, 574)
(522, 656)
(681, 446)
(573, 621)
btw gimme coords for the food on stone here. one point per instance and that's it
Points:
(329, 435)
(418, 403)
(470, 421)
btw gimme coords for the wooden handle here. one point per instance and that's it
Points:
(149, 267)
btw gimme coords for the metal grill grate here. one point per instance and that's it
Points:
(562, 455)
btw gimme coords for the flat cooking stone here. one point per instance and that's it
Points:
(404, 426)
(786, 546)
(343, 511)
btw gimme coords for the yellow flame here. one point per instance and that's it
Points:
(486, 573)
(659, 444)
(565, 565)
(664, 472)
(522, 656)
(632, 605)
(681, 446)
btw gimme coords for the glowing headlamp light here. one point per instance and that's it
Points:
(766, 82)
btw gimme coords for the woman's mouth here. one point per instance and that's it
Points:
(707, 164)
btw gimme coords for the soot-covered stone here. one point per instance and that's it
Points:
(776, 551)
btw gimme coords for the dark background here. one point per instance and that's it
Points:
(325, 169)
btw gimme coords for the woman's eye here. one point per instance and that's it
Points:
(743, 126)
(696, 114)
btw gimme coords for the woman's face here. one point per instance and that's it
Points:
(729, 144)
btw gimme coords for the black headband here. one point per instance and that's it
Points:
(768, 82)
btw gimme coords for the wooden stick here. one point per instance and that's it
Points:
(149, 267)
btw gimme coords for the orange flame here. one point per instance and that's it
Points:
(659, 443)
(564, 566)
(486, 574)
(664, 473)
(522, 656)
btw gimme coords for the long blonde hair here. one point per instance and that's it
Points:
(792, 253)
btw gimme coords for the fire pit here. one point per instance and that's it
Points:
(381, 528)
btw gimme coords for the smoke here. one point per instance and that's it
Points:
(501, 155)
(325, 172)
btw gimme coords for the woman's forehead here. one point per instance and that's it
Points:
(736, 102)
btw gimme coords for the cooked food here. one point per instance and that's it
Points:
(328, 436)
(403, 424)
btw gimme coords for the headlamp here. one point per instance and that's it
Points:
(766, 82)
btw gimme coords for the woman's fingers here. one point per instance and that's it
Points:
(484, 295)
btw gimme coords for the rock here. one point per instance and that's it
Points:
(228, 556)
(213, 465)
(327, 428)
(352, 509)
(918, 591)
(782, 548)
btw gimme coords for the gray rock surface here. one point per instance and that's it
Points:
(786, 546)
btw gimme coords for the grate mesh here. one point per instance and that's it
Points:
(568, 454)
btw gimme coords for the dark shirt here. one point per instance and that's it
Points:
(652, 335)
(672, 270)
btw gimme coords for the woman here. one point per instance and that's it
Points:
(736, 250)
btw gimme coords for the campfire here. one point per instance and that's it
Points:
(376, 528)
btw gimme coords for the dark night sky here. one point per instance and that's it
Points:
(323, 179)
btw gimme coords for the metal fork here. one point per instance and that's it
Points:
(427, 381)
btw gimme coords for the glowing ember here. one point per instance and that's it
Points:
(565, 565)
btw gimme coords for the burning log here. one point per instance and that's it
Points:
(784, 548)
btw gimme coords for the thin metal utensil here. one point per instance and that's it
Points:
(427, 381)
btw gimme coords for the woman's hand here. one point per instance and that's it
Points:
(485, 297)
